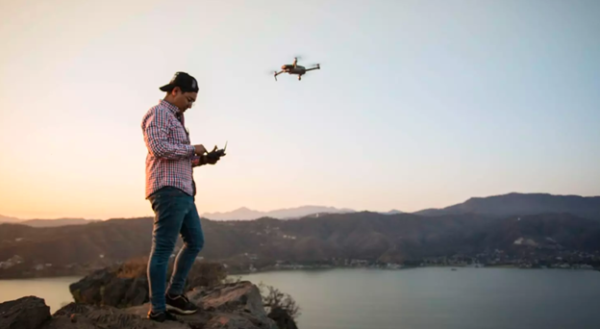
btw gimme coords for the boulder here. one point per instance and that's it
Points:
(232, 302)
(231, 321)
(82, 316)
(242, 296)
(24, 313)
(233, 305)
(108, 287)
(126, 285)
(91, 289)
(137, 293)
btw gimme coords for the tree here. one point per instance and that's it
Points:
(273, 298)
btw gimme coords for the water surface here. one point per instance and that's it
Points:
(55, 291)
(424, 298)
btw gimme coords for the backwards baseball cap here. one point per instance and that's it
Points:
(182, 80)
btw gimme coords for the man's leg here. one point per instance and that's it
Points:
(170, 208)
(193, 238)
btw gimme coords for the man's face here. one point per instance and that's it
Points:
(183, 100)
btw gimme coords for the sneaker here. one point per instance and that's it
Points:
(161, 316)
(180, 304)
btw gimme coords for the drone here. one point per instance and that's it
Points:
(295, 69)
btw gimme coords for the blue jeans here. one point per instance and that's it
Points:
(175, 213)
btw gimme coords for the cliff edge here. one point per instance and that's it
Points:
(108, 299)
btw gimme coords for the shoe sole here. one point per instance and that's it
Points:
(180, 311)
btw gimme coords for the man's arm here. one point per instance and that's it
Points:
(201, 160)
(155, 137)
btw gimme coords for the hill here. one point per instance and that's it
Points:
(46, 222)
(497, 206)
(7, 219)
(520, 204)
(56, 222)
(288, 213)
(363, 235)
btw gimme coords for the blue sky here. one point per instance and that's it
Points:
(418, 103)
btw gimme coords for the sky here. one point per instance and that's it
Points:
(418, 104)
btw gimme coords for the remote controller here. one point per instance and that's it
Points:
(216, 154)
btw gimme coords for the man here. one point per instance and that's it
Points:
(171, 190)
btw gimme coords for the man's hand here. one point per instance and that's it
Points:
(199, 149)
(212, 160)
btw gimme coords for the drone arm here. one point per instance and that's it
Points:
(313, 68)
(276, 74)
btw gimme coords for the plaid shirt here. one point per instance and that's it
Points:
(170, 157)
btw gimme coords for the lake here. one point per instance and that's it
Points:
(477, 298)
(55, 291)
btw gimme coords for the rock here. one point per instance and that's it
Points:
(126, 285)
(282, 319)
(107, 288)
(89, 289)
(114, 291)
(241, 298)
(24, 313)
(230, 321)
(81, 316)
(235, 305)
(194, 321)
(137, 294)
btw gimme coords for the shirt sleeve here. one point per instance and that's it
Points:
(156, 128)
(196, 161)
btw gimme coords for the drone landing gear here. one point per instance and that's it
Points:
(299, 77)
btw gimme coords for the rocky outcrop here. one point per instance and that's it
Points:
(243, 296)
(117, 298)
(126, 285)
(24, 313)
(106, 288)
(82, 316)
(234, 305)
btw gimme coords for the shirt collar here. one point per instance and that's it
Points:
(171, 107)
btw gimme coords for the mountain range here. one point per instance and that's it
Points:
(510, 222)
(46, 222)
(244, 213)
(359, 235)
(515, 204)
(510, 204)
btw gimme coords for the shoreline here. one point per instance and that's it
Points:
(272, 269)
(457, 267)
